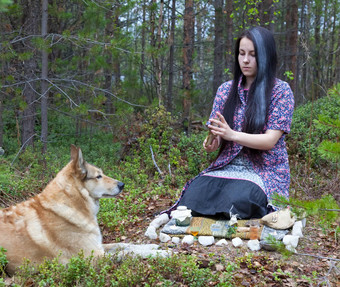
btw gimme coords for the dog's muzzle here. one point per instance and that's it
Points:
(120, 185)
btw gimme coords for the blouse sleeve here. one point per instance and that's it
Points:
(220, 99)
(281, 108)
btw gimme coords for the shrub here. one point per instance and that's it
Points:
(315, 123)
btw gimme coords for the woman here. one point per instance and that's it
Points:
(251, 116)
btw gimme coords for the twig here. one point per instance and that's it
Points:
(22, 148)
(317, 256)
(154, 162)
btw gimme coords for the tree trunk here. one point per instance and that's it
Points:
(229, 39)
(143, 32)
(218, 45)
(188, 48)
(1, 121)
(171, 57)
(109, 108)
(44, 77)
(27, 116)
(292, 40)
(158, 62)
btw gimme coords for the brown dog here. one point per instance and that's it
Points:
(61, 219)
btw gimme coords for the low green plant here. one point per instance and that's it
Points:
(3, 260)
(317, 142)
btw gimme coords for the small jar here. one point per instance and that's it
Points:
(182, 216)
(254, 232)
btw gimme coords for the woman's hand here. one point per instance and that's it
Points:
(221, 128)
(213, 146)
(265, 141)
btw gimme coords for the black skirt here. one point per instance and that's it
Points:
(214, 196)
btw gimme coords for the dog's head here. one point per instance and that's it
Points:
(98, 184)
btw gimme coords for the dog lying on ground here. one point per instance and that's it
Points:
(62, 219)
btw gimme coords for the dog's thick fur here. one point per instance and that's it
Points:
(61, 219)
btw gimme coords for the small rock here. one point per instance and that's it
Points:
(206, 240)
(304, 221)
(188, 239)
(160, 220)
(219, 267)
(297, 229)
(175, 240)
(221, 242)
(164, 237)
(291, 248)
(291, 240)
(254, 245)
(237, 242)
(151, 232)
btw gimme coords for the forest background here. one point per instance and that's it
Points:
(133, 82)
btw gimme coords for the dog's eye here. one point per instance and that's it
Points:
(99, 176)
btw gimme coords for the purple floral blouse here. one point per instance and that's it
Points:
(274, 170)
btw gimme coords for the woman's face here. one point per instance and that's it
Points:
(247, 60)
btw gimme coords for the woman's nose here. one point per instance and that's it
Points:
(245, 59)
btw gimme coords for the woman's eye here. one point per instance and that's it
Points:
(99, 176)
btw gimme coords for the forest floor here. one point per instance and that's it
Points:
(310, 266)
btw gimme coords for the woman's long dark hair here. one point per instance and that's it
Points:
(259, 93)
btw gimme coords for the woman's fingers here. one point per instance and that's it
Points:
(222, 119)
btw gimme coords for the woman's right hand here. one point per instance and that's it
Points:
(213, 146)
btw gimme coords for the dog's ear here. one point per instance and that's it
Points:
(78, 161)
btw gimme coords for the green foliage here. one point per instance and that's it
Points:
(326, 208)
(330, 149)
(3, 261)
(4, 4)
(289, 75)
(81, 271)
(315, 131)
(278, 246)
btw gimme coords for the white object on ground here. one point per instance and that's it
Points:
(175, 240)
(291, 248)
(160, 220)
(291, 240)
(304, 221)
(254, 245)
(188, 239)
(221, 242)
(237, 242)
(206, 240)
(297, 229)
(164, 237)
(233, 220)
(151, 232)
(182, 215)
(143, 250)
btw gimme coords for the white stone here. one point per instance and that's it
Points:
(164, 237)
(304, 221)
(175, 240)
(291, 240)
(144, 250)
(188, 239)
(291, 248)
(254, 245)
(151, 232)
(221, 242)
(237, 242)
(206, 240)
(297, 229)
(160, 220)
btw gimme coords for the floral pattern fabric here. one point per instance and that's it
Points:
(274, 170)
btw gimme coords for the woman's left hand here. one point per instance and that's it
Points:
(221, 128)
